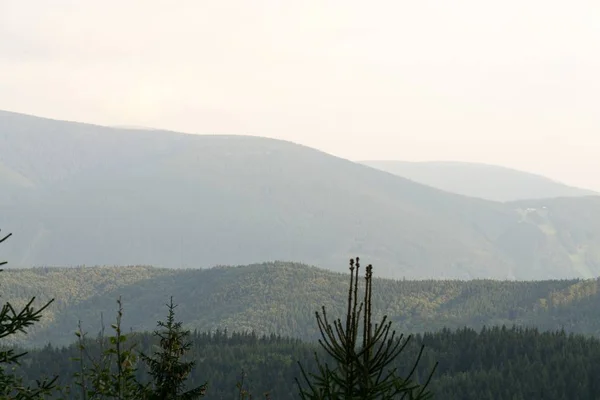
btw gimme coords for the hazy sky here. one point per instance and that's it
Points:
(512, 82)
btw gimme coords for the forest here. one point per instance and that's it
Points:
(121, 361)
(281, 298)
(491, 364)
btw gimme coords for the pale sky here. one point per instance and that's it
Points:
(512, 82)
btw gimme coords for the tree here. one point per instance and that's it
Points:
(112, 374)
(166, 367)
(360, 371)
(13, 321)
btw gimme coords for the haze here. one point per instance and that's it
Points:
(511, 83)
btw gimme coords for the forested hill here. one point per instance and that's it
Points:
(494, 364)
(281, 298)
(77, 194)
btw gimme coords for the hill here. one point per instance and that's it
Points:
(480, 180)
(84, 194)
(281, 298)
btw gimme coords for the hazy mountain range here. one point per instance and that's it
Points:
(480, 180)
(76, 194)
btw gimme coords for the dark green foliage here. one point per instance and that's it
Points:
(360, 371)
(111, 373)
(166, 368)
(13, 321)
(243, 391)
(493, 364)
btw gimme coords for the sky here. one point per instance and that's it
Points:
(511, 82)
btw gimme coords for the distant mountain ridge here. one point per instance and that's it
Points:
(484, 181)
(135, 127)
(75, 194)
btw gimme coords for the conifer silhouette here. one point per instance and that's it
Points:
(168, 371)
(12, 321)
(361, 359)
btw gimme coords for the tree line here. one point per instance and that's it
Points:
(494, 363)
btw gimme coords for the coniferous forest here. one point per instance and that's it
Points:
(281, 298)
(494, 363)
(358, 355)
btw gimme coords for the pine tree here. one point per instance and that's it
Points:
(12, 321)
(166, 367)
(361, 359)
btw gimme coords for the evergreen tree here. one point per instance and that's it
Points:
(12, 321)
(361, 369)
(112, 375)
(166, 367)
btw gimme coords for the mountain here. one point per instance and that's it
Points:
(76, 194)
(281, 298)
(480, 180)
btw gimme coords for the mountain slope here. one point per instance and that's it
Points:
(282, 298)
(105, 196)
(480, 180)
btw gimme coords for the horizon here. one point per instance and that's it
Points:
(360, 161)
(511, 84)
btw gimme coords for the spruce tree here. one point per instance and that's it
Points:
(111, 375)
(166, 367)
(12, 321)
(361, 353)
